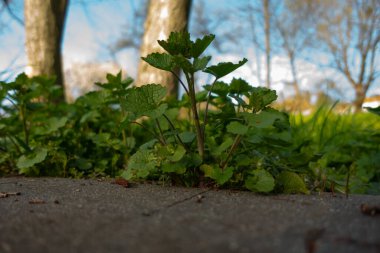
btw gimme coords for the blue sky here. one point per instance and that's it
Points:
(91, 28)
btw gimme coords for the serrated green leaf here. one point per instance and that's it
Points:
(115, 82)
(56, 123)
(94, 98)
(101, 139)
(239, 86)
(224, 68)
(201, 63)
(261, 97)
(187, 137)
(177, 43)
(219, 88)
(157, 112)
(183, 63)
(170, 167)
(51, 125)
(244, 160)
(90, 116)
(263, 119)
(178, 154)
(260, 181)
(160, 60)
(237, 128)
(200, 45)
(114, 78)
(142, 163)
(290, 183)
(214, 172)
(217, 151)
(145, 100)
(36, 156)
(128, 174)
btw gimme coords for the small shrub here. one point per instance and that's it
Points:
(231, 136)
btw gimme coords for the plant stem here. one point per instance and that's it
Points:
(147, 129)
(173, 128)
(25, 127)
(347, 182)
(193, 102)
(15, 144)
(123, 114)
(180, 81)
(161, 133)
(207, 105)
(231, 151)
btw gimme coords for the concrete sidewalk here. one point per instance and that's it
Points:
(66, 215)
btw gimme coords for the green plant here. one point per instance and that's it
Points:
(21, 126)
(226, 134)
(230, 136)
(41, 137)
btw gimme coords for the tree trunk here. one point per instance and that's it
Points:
(294, 75)
(267, 40)
(360, 95)
(44, 22)
(163, 17)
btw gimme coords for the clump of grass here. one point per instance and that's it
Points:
(343, 149)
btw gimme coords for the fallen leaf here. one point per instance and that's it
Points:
(369, 210)
(7, 194)
(121, 182)
(37, 201)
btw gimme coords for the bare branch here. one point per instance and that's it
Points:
(6, 5)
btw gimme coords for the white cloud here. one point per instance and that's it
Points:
(79, 43)
(128, 59)
(89, 31)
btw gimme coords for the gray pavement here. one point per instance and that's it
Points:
(66, 215)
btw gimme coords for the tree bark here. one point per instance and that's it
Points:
(360, 95)
(164, 17)
(44, 23)
(267, 40)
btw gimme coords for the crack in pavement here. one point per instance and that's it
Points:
(12, 182)
(175, 203)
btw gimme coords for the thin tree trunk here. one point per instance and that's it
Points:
(360, 95)
(44, 23)
(294, 75)
(252, 23)
(163, 17)
(267, 41)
